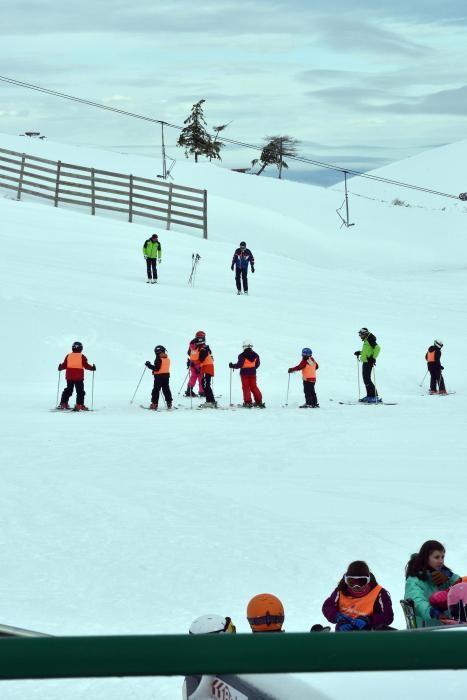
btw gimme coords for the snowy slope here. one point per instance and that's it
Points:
(123, 521)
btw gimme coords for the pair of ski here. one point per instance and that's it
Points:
(364, 403)
(71, 410)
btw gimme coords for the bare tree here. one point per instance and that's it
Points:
(273, 153)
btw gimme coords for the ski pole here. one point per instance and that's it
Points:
(183, 383)
(58, 386)
(92, 391)
(374, 382)
(423, 380)
(137, 387)
(441, 383)
(230, 390)
(287, 395)
(358, 379)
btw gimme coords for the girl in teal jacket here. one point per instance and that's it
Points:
(425, 574)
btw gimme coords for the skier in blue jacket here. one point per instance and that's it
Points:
(240, 261)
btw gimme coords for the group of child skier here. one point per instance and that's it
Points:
(200, 365)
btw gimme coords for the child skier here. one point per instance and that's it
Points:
(308, 365)
(75, 363)
(206, 364)
(161, 372)
(193, 364)
(248, 362)
(435, 368)
(359, 602)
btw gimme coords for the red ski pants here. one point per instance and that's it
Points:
(249, 387)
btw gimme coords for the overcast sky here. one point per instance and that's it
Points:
(359, 83)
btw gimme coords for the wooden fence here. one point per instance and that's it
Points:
(65, 183)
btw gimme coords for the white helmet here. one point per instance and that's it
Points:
(438, 343)
(247, 344)
(212, 624)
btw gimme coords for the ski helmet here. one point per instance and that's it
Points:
(438, 343)
(307, 352)
(77, 346)
(265, 613)
(200, 334)
(212, 624)
(457, 601)
(158, 349)
(247, 344)
(363, 332)
(242, 244)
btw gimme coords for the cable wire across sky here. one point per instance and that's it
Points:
(300, 159)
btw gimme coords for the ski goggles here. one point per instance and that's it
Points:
(229, 627)
(356, 581)
(266, 620)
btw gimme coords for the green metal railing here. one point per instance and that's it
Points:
(180, 655)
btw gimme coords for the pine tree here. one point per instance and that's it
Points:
(273, 153)
(195, 139)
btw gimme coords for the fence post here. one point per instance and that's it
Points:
(21, 176)
(57, 183)
(205, 213)
(169, 206)
(130, 201)
(93, 193)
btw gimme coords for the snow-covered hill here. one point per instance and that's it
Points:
(124, 521)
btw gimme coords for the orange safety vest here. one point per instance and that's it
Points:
(207, 365)
(74, 360)
(248, 364)
(430, 356)
(309, 371)
(358, 607)
(165, 365)
(194, 356)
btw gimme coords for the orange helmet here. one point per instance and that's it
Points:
(265, 613)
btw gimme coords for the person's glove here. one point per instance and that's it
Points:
(360, 623)
(148, 364)
(435, 613)
(439, 578)
(232, 266)
(231, 365)
(253, 269)
(290, 370)
(59, 368)
(145, 257)
(357, 353)
(441, 367)
(93, 368)
(341, 618)
(160, 262)
(371, 361)
(346, 627)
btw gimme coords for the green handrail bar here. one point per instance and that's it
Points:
(180, 655)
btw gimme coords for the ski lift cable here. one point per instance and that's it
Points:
(300, 159)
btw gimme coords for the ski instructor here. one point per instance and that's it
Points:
(367, 356)
(240, 261)
(152, 252)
